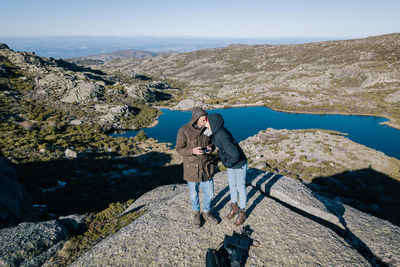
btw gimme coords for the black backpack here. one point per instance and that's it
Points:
(234, 251)
(217, 257)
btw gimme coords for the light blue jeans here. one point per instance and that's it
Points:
(237, 184)
(207, 188)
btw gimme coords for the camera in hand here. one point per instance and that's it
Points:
(205, 150)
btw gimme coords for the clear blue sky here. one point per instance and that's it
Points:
(205, 18)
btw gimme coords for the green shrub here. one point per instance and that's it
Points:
(140, 136)
(303, 158)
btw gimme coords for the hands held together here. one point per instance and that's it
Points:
(201, 151)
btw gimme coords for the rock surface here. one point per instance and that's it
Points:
(332, 165)
(81, 92)
(74, 223)
(287, 190)
(15, 202)
(140, 92)
(70, 153)
(284, 215)
(110, 114)
(31, 244)
(311, 152)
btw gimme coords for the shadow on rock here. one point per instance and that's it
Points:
(287, 192)
(223, 198)
(63, 187)
(367, 190)
(77, 68)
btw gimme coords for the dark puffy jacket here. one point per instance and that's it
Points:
(195, 168)
(229, 151)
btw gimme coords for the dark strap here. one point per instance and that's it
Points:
(255, 245)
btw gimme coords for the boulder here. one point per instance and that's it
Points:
(111, 115)
(31, 244)
(15, 202)
(141, 92)
(159, 85)
(82, 92)
(186, 104)
(75, 122)
(292, 232)
(261, 165)
(74, 223)
(70, 153)
(393, 98)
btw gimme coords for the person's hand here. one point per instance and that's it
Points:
(197, 151)
(209, 149)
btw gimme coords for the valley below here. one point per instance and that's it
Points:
(59, 159)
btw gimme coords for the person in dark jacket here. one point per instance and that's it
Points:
(198, 167)
(234, 159)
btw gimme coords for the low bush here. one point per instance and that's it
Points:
(99, 226)
(140, 136)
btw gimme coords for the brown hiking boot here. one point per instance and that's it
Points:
(241, 218)
(196, 219)
(210, 218)
(233, 212)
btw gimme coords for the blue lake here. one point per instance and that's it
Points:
(245, 122)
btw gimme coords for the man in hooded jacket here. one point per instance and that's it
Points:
(198, 168)
(234, 159)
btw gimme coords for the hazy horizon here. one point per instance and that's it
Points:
(75, 46)
(99, 26)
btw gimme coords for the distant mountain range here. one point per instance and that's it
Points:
(103, 58)
(79, 46)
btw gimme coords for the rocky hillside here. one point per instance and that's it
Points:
(49, 106)
(332, 165)
(103, 58)
(84, 95)
(310, 153)
(315, 197)
(55, 119)
(358, 76)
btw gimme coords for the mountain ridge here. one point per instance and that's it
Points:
(359, 76)
(106, 57)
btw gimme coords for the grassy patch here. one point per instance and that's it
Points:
(320, 130)
(145, 117)
(37, 144)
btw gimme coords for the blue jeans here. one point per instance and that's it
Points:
(207, 188)
(237, 184)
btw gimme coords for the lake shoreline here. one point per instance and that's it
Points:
(363, 129)
(389, 121)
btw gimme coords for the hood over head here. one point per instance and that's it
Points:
(216, 122)
(196, 114)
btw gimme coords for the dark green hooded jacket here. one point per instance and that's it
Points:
(229, 151)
